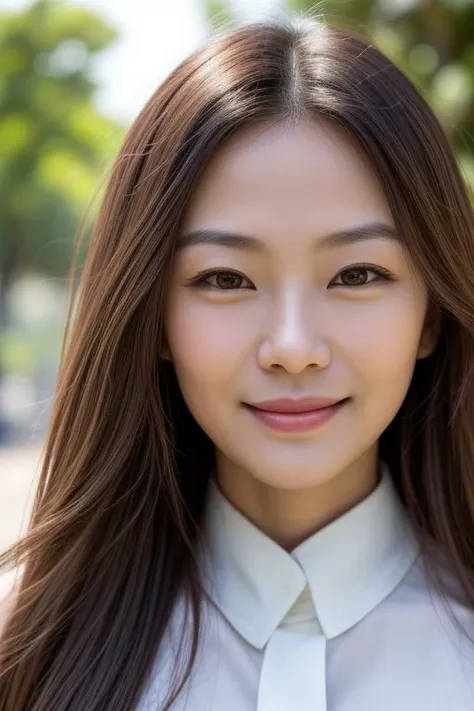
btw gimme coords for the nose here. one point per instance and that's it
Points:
(293, 342)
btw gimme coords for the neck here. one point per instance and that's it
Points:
(290, 516)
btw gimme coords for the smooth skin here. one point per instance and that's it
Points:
(298, 313)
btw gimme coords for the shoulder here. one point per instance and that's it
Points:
(174, 654)
(432, 598)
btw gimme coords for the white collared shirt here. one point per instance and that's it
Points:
(345, 622)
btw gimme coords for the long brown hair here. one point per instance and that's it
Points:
(115, 530)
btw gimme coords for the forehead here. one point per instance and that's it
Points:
(287, 174)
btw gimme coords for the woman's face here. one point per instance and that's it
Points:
(315, 298)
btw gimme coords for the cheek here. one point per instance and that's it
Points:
(208, 342)
(383, 345)
(209, 349)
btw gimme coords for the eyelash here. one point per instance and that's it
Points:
(382, 274)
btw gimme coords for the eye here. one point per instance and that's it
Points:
(361, 275)
(222, 280)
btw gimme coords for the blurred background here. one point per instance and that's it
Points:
(73, 75)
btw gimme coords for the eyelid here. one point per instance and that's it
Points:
(199, 280)
(382, 274)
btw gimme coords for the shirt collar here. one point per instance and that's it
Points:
(350, 566)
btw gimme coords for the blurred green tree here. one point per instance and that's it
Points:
(54, 143)
(432, 41)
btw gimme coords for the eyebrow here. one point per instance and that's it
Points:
(224, 238)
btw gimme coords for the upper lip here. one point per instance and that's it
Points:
(304, 404)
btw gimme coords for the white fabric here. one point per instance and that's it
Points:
(346, 622)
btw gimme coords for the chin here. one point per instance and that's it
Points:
(296, 480)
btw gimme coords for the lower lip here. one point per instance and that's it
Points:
(296, 421)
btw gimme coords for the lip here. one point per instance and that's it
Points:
(301, 420)
(292, 405)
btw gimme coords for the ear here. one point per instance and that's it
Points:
(431, 332)
(165, 352)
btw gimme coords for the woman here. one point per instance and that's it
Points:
(257, 485)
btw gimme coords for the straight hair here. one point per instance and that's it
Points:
(116, 527)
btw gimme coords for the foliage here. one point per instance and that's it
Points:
(54, 142)
(22, 350)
